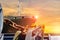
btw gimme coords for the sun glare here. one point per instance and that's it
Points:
(54, 28)
(36, 17)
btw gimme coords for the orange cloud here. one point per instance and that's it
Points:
(9, 11)
(30, 11)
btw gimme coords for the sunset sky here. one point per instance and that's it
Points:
(47, 10)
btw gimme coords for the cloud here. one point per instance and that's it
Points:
(9, 11)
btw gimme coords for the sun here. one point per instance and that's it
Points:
(36, 17)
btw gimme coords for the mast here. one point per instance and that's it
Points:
(19, 7)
